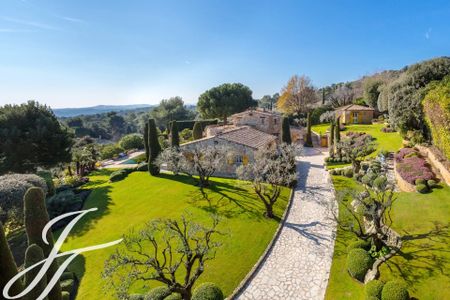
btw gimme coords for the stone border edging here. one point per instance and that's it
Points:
(251, 274)
(445, 173)
(402, 183)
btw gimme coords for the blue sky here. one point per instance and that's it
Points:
(83, 53)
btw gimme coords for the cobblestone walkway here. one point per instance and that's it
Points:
(299, 264)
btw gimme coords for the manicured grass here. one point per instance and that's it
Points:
(424, 261)
(140, 197)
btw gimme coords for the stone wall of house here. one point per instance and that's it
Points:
(364, 117)
(238, 154)
(262, 121)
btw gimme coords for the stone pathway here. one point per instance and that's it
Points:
(299, 264)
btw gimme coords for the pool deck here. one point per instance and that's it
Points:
(118, 164)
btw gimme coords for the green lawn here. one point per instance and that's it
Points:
(141, 197)
(424, 262)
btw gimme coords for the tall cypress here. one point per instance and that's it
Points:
(36, 217)
(308, 142)
(33, 255)
(146, 141)
(197, 131)
(337, 137)
(331, 139)
(286, 131)
(8, 268)
(154, 148)
(174, 135)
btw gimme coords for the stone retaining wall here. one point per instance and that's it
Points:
(445, 173)
(402, 184)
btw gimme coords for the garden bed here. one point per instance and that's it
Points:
(410, 167)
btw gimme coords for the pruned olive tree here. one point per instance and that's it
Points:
(355, 148)
(172, 252)
(272, 169)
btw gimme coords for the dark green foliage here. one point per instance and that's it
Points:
(31, 137)
(197, 132)
(432, 183)
(158, 293)
(118, 175)
(68, 285)
(331, 139)
(422, 188)
(308, 141)
(394, 290)
(207, 291)
(373, 289)
(359, 244)
(63, 202)
(8, 266)
(67, 275)
(317, 112)
(372, 91)
(173, 296)
(36, 217)
(142, 167)
(286, 131)
(405, 94)
(65, 296)
(147, 150)
(348, 173)
(380, 183)
(154, 148)
(169, 110)
(174, 136)
(189, 124)
(47, 176)
(420, 180)
(110, 151)
(34, 254)
(337, 131)
(132, 141)
(358, 263)
(225, 100)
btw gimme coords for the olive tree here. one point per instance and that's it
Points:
(354, 148)
(272, 169)
(172, 252)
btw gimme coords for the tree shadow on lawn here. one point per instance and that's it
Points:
(424, 255)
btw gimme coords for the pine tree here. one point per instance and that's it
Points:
(36, 217)
(154, 148)
(174, 135)
(8, 268)
(286, 131)
(34, 254)
(308, 142)
(146, 141)
(197, 131)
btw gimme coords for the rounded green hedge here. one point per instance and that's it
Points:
(380, 182)
(173, 296)
(422, 188)
(373, 289)
(420, 181)
(394, 290)
(158, 293)
(348, 173)
(359, 262)
(207, 291)
(359, 244)
(432, 183)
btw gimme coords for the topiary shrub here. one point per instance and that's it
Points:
(67, 285)
(8, 265)
(348, 173)
(48, 177)
(118, 175)
(359, 262)
(158, 293)
(207, 291)
(422, 188)
(63, 202)
(432, 183)
(286, 131)
(394, 290)
(33, 255)
(420, 181)
(359, 244)
(373, 289)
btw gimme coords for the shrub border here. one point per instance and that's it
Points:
(256, 267)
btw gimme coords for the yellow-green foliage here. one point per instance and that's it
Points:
(436, 106)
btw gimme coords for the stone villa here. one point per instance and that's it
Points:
(355, 114)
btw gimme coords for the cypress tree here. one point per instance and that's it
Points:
(8, 268)
(154, 148)
(197, 131)
(36, 217)
(337, 133)
(34, 254)
(174, 136)
(286, 131)
(331, 139)
(308, 142)
(146, 141)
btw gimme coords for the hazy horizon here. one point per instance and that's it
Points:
(84, 53)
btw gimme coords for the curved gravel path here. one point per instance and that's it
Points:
(299, 263)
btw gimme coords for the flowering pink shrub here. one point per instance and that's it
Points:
(412, 168)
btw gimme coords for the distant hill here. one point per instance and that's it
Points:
(72, 112)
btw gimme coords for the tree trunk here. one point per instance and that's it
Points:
(78, 167)
(224, 119)
(356, 166)
(69, 170)
(186, 294)
(269, 211)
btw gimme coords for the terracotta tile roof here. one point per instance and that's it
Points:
(247, 136)
(354, 107)
(257, 111)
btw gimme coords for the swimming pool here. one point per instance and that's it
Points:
(129, 162)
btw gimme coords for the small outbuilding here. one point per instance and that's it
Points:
(355, 114)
